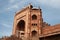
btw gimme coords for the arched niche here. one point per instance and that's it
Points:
(34, 17)
(34, 33)
(21, 25)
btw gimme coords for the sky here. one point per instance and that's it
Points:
(8, 8)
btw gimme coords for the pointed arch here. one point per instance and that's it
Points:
(34, 17)
(34, 33)
(21, 25)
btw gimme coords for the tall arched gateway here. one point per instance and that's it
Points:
(30, 23)
(21, 25)
(21, 28)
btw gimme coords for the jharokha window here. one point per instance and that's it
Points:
(34, 17)
(34, 24)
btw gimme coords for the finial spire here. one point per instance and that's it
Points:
(39, 7)
(30, 5)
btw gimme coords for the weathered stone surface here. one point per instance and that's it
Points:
(11, 38)
(29, 25)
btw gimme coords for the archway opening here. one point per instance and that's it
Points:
(34, 17)
(21, 25)
(34, 33)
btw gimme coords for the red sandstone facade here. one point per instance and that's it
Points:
(29, 25)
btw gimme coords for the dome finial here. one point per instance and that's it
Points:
(30, 5)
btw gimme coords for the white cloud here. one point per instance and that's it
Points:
(52, 3)
(6, 33)
(13, 7)
(11, 1)
(6, 25)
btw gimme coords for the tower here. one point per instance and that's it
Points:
(28, 23)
